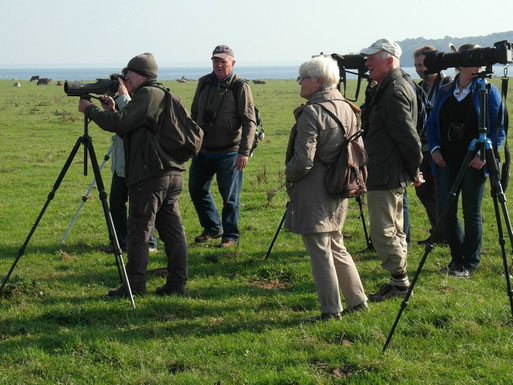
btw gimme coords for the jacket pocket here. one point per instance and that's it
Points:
(378, 173)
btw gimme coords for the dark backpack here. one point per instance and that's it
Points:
(346, 177)
(236, 87)
(424, 106)
(179, 136)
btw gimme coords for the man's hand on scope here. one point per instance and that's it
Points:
(108, 103)
(82, 104)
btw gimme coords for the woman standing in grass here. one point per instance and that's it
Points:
(451, 127)
(315, 141)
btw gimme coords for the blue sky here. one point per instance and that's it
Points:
(93, 33)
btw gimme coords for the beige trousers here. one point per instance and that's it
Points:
(386, 228)
(333, 268)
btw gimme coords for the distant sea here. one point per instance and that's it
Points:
(166, 73)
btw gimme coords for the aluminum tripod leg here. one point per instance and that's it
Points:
(86, 196)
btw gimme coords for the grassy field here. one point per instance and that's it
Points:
(242, 321)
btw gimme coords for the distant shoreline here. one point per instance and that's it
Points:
(165, 73)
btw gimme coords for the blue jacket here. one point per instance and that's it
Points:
(496, 134)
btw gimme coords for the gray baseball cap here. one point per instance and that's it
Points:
(222, 51)
(383, 45)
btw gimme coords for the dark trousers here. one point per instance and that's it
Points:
(229, 182)
(465, 244)
(426, 192)
(154, 202)
(118, 199)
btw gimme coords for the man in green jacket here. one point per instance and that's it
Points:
(394, 152)
(223, 107)
(154, 179)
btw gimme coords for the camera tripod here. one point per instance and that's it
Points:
(483, 146)
(86, 140)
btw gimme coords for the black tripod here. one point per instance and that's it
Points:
(370, 247)
(484, 146)
(86, 140)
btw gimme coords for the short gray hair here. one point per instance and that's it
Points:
(386, 55)
(321, 67)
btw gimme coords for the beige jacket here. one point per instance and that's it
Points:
(311, 209)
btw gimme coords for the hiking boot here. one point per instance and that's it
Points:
(207, 236)
(169, 289)
(122, 291)
(389, 291)
(325, 317)
(227, 243)
(358, 308)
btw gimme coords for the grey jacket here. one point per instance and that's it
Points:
(391, 139)
(311, 209)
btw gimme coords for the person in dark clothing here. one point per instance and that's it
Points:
(154, 178)
(451, 127)
(426, 192)
(118, 197)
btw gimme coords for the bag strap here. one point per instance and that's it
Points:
(335, 117)
(357, 134)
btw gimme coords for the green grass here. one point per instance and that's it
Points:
(242, 321)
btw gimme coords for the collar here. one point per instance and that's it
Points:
(218, 82)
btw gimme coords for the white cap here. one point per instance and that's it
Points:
(383, 45)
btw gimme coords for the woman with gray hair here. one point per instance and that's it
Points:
(314, 142)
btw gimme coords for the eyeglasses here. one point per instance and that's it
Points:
(301, 78)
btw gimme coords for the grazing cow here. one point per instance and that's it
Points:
(17, 84)
(60, 83)
(258, 81)
(43, 81)
(34, 77)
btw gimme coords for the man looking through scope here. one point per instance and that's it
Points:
(154, 178)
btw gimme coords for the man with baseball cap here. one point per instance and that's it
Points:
(153, 177)
(394, 152)
(223, 107)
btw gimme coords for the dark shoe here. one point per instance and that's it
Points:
(206, 236)
(451, 268)
(360, 307)
(122, 291)
(389, 291)
(110, 249)
(227, 243)
(325, 317)
(169, 289)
